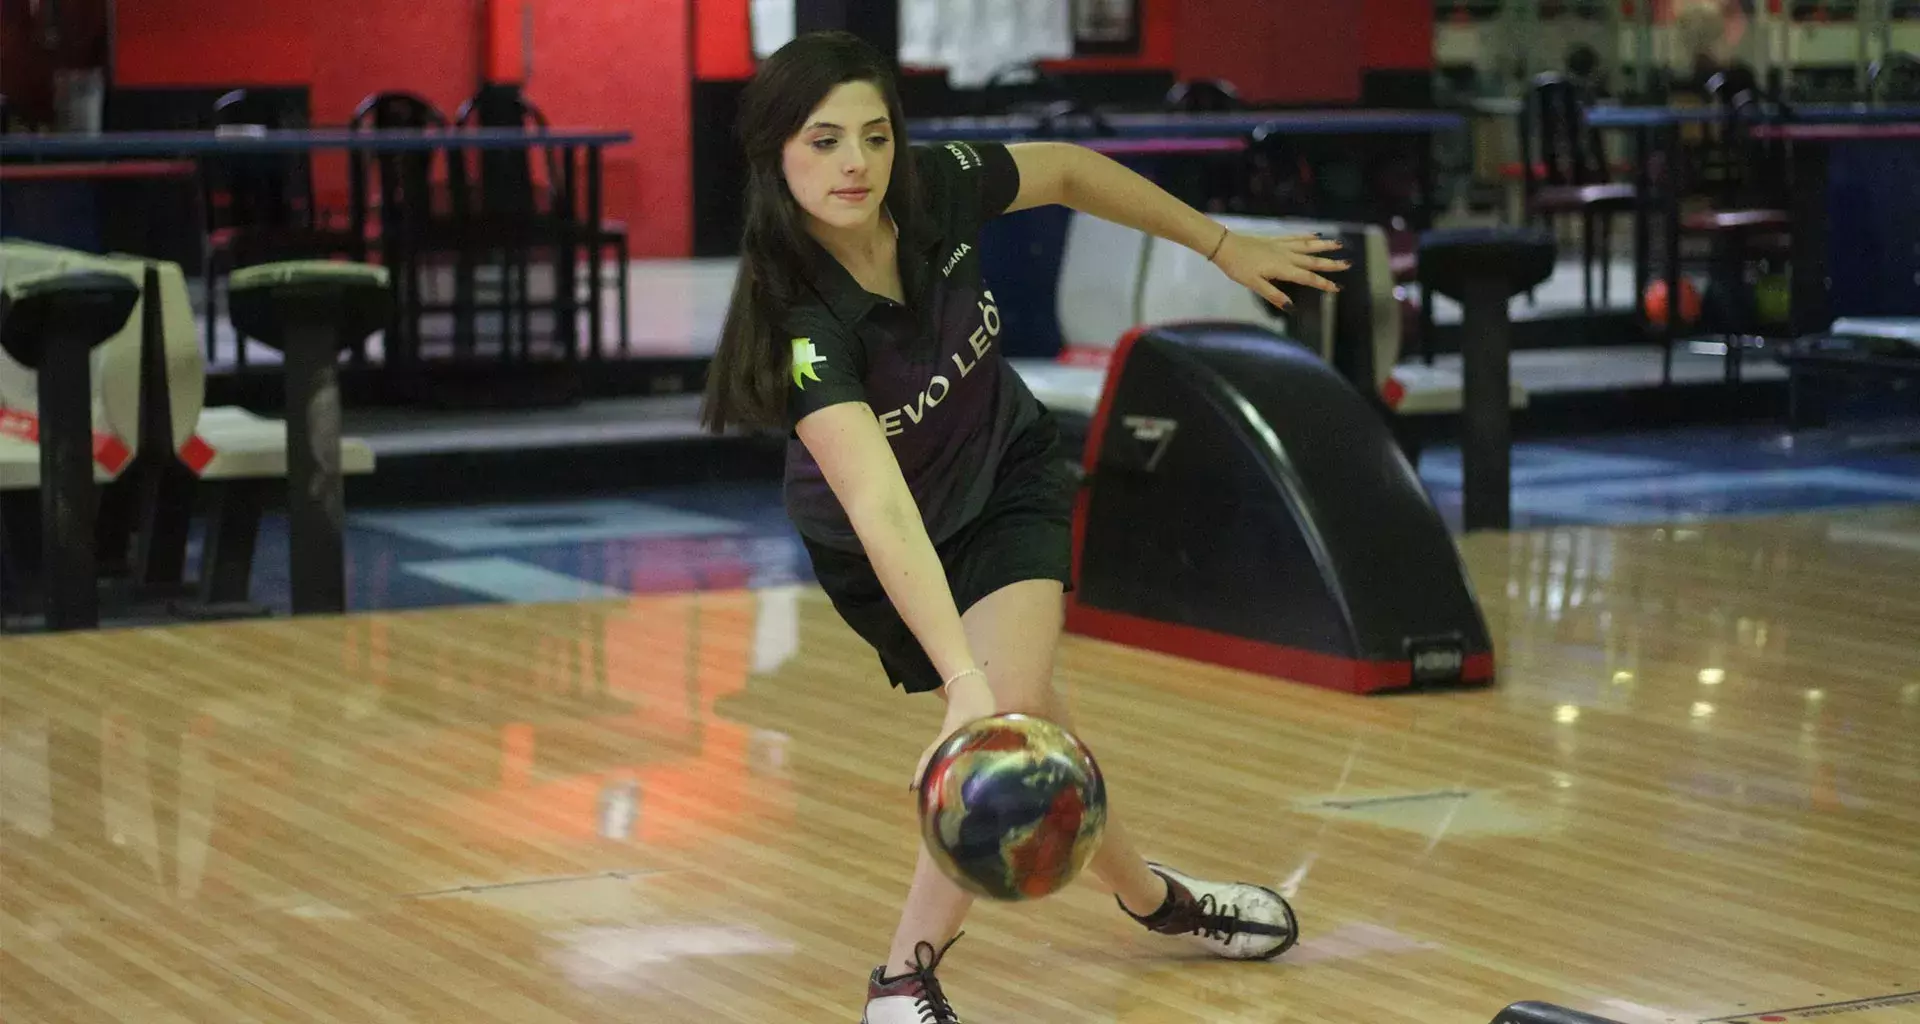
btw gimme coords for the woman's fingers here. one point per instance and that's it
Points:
(1272, 293)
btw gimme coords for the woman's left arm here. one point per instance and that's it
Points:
(1099, 186)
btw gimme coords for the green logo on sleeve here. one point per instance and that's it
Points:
(805, 358)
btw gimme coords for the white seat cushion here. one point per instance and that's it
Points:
(115, 365)
(20, 465)
(247, 446)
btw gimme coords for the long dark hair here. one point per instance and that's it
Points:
(747, 380)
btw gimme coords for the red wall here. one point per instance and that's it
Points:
(722, 40)
(1302, 51)
(1396, 33)
(607, 63)
(187, 42)
(1159, 27)
(625, 64)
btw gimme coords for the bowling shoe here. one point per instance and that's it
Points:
(913, 997)
(1229, 919)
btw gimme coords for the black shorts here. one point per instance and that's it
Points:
(1025, 532)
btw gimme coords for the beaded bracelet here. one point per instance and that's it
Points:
(962, 674)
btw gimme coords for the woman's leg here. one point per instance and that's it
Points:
(1013, 633)
(932, 914)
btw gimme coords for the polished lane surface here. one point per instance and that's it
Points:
(1694, 795)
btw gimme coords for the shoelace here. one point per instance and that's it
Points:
(1214, 920)
(934, 1008)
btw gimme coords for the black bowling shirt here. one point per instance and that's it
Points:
(931, 370)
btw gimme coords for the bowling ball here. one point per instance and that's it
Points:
(1773, 299)
(1656, 302)
(1012, 806)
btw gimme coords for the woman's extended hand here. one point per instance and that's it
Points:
(968, 699)
(1260, 262)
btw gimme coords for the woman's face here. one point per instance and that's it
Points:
(838, 165)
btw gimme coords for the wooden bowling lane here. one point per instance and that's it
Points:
(1694, 795)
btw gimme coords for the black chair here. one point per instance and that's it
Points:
(312, 311)
(1750, 219)
(1564, 171)
(507, 197)
(52, 323)
(415, 218)
(1483, 269)
(261, 207)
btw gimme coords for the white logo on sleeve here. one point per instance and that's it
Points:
(954, 260)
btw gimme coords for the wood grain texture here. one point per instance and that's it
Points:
(1694, 793)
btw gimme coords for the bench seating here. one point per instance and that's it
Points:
(234, 459)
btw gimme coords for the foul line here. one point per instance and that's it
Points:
(1872, 1002)
(1347, 805)
(526, 883)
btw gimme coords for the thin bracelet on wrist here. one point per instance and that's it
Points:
(963, 673)
(1224, 232)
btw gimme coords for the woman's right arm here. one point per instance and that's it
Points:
(846, 441)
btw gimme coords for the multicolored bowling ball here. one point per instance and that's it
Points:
(1012, 807)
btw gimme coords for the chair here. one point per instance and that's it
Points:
(261, 208)
(311, 311)
(1751, 217)
(507, 191)
(1571, 174)
(411, 222)
(52, 322)
(149, 391)
(1482, 269)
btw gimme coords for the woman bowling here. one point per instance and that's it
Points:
(921, 472)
